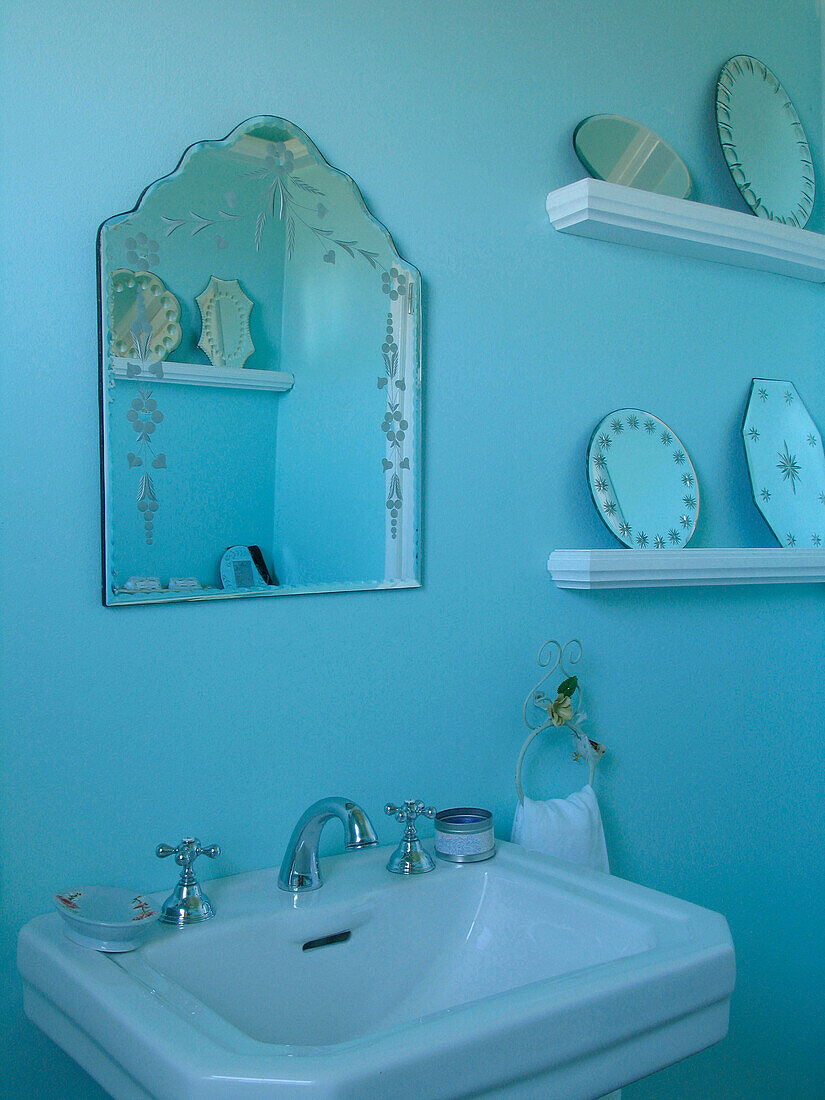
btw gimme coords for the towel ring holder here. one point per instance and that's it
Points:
(565, 655)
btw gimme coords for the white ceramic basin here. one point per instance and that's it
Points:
(518, 976)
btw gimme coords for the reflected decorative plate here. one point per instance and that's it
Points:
(786, 465)
(225, 311)
(642, 481)
(144, 317)
(764, 142)
(105, 918)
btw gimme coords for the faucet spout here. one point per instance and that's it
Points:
(300, 869)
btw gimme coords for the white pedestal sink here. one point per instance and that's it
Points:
(516, 977)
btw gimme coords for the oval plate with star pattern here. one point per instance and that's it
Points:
(642, 481)
(785, 462)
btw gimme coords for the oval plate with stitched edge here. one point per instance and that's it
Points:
(764, 142)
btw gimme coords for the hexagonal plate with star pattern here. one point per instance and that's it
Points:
(786, 465)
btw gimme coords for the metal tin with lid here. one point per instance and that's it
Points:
(464, 835)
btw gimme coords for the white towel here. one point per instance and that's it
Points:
(569, 828)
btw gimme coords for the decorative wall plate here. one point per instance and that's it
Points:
(764, 142)
(785, 462)
(225, 311)
(642, 481)
(144, 317)
(622, 151)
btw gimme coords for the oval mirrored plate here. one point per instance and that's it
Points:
(642, 480)
(785, 463)
(620, 150)
(763, 142)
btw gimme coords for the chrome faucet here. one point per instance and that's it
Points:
(299, 867)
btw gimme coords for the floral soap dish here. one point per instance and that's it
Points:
(105, 918)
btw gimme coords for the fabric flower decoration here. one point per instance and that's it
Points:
(560, 710)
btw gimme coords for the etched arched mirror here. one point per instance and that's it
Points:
(260, 381)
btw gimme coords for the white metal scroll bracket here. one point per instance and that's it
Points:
(543, 711)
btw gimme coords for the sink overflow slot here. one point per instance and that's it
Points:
(336, 937)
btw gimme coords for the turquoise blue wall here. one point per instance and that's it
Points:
(124, 727)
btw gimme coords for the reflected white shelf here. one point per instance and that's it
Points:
(626, 215)
(586, 569)
(204, 374)
(123, 597)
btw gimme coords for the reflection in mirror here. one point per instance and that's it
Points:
(642, 481)
(260, 381)
(785, 463)
(225, 313)
(620, 150)
(144, 318)
(763, 142)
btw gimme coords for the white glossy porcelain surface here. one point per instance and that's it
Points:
(519, 976)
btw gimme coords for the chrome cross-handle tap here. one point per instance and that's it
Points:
(409, 858)
(187, 903)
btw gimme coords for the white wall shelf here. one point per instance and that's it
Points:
(204, 374)
(587, 569)
(626, 215)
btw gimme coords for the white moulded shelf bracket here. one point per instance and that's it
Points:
(626, 215)
(587, 569)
